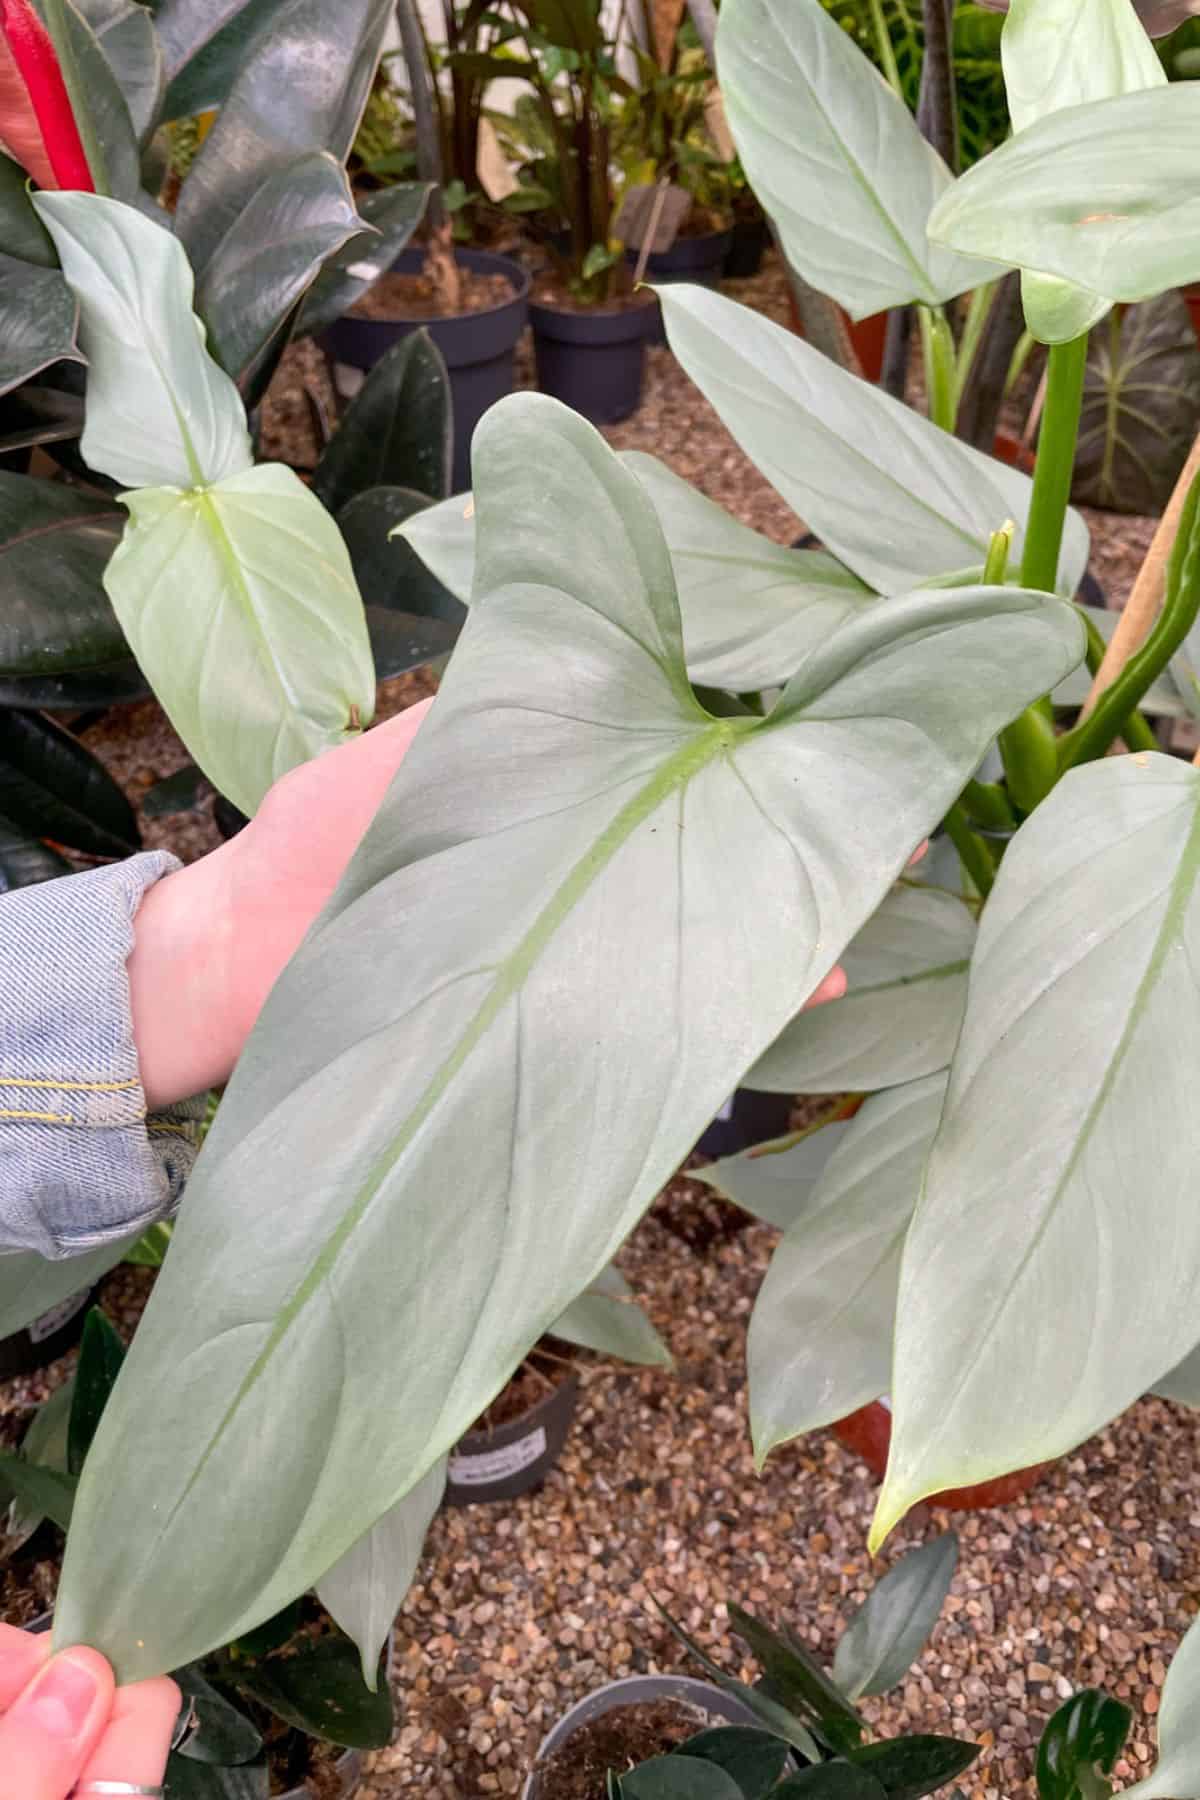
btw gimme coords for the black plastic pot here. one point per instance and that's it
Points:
(750, 1117)
(479, 347)
(39, 1343)
(349, 1767)
(516, 1457)
(748, 244)
(699, 259)
(593, 360)
(632, 1691)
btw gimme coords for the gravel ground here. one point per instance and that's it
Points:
(519, 1609)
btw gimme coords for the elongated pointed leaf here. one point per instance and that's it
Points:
(1178, 1768)
(906, 974)
(394, 213)
(820, 1341)
(318, 1688)
(390, 575)
(529, 882)
(125, 32)
(108, 684)
(890, 1628)
(798, 1681)
(760, 1702)
(1082, 1740)
(830, 1781)
(678, 1778)
(894, 498)
(37, 321)
(909, 1767)
(269, 663)
(396, 431)
(266, 261)
(49, 1490)
(301, 89)
(205, 43)
(54, 787)
(755, 1759)
(45, 1444)
(101, 1354)
(774, 1181)
(1062, 1306)
(221, 1733)
(606, 1317)
(110, 124)
(1103, 195)
(159, 410)
(836, 158)
(49, 627)
(364, 1589)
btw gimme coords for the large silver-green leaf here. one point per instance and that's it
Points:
(1052, 1267)
(751, 609)
(906, 977)
(1104, 195)
(159, 410)
(606, 1317)
(1181, 1383)
(302, 89)
(240, 604)
(889, 1630)
(125, 33)
(820, 1341)
(364, 1589)
(1177, 1772)
(456, 1103)
(894, 498)
(836, 158)
(774, 1181)
(31, 1285)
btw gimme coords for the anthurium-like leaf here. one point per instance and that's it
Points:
(267, 259)
(892, 497)
(364, 1589)
(678, 1778)
(24, 861)
(500, 994)
(45, 1443)
(798, 1681)
(1103, 195)
(302, 89)
(101, 1354)
(394, 214)
(820, 1340)
(1083, 1739)
(775, 1180)
(50, 1491)
(51, 626)
(1178, 1768)
(890, 1628)
(221, 1733)
(836, 158)
(606, 1317)
(830, 1781)
(1062, 1307)
(755, 1759)
(1141, 407)
(22, 233)
(125, 32)
(396, 431)
(318, 1688)
(269, 663)
(205, 44)
(906, 975)
(54, 787)
(159, 410)
(37, 321)
(909, 1767)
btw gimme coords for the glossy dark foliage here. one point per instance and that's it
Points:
(1084, 1736)
(320, 1690)
(101, 1354)
(908, 1767)
(799, 1681)
(54, 788)
(396, 430)
(755, 1759)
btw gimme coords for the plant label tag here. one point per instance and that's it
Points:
(347, 379)
(497, 1465)
(57, 1317)
(636, 218)
(497, 176)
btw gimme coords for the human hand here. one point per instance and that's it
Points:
(64, 1724)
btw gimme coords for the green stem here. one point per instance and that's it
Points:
(973, 853)
(937, 350)
(1055, 464)
(986, 804)
(887, 54)
(1137, 731)
(1022, 351)
(977, 314)
(1093, 735)
(995, 567)
(59, 27)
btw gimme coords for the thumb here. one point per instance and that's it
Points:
(53, 1725)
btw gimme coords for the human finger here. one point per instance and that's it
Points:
(53, 1725)
(137, 1740)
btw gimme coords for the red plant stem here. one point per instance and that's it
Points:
(33, 52)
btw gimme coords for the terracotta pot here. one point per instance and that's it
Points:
(868, 1432)
(867, 335)
(1006, 448)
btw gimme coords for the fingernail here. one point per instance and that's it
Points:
(62, 1698)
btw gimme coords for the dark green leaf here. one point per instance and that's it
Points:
(25, 860)
(55, 543)
(191, 1780)
(888, 1632)
(107, 685)
(302, 89)
(397, 428)
(799, 1681)
(177, 793)
(22, 233)
(830, 1781)
(45, 1445)
(55, 788)
(755, 1759)
(1086, 1733)
(205, 43)
(909, 1767)
(569, 24)
(678, 1778)
(1141, 406)
(39, 413)
(392, 578)
(264, 264)
(394, 213)
(110, 117)
(320, 1689)
(272, 1634)
(766, 1710)
(49, 1490)
(37, 320)
(481, 67)
(221, 1733)
(101, 1354)
(125, 32)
